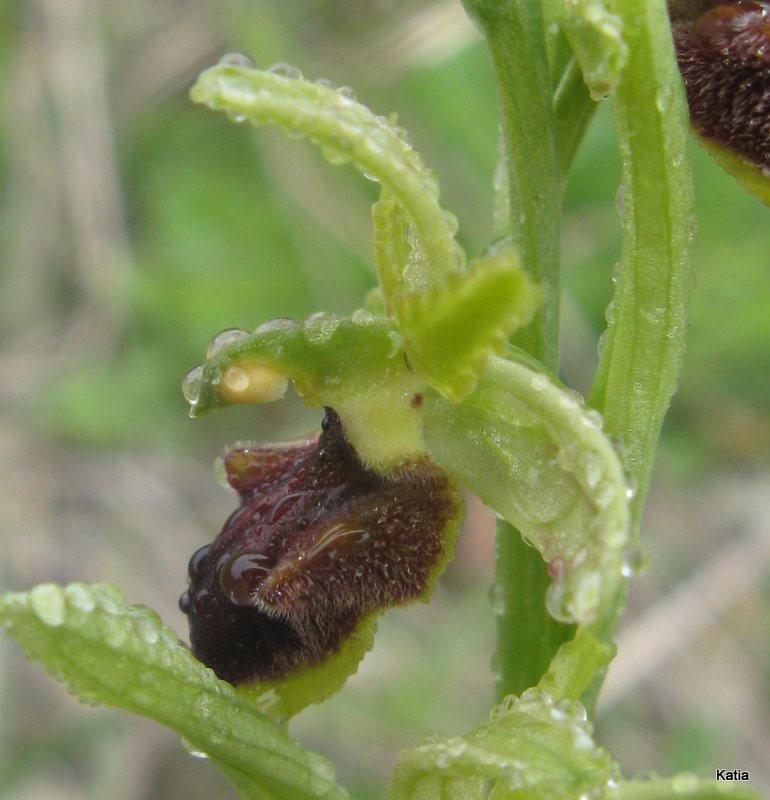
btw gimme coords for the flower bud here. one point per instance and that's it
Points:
(319, 544)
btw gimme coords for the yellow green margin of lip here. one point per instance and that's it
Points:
(751, 177)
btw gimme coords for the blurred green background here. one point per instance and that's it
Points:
(135, 226)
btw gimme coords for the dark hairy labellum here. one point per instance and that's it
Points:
(319, 543)
(724, 57)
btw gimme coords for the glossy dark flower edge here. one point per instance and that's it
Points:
(319, 543)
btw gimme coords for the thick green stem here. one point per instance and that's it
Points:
(644, 342)
(515, 33)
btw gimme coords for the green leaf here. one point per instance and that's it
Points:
(531, 451)
(529, 748)
(108, 652)
(450, 331)
(346, 132)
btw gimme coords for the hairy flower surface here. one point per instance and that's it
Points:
(724, 57)
(319, 543)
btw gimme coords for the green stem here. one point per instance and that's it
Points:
(516, 37)
(644, 343)
(525, 645)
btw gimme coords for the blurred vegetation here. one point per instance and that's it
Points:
(134, 226)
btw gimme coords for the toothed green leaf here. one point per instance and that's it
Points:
(450, 331)
(108, 652)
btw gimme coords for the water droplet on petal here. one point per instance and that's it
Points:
(277, 324)
(236, 59)
(48, 604)
(224, 339)
(241, 575)
(191, 749)
(634, 560)
(191, 386)
(326, 83)
(285, 70)
(535, 696)
(346, 94)
(685, 783)
(320, 327)
(556, 602)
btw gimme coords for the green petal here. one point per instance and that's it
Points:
(451, 330)
(531, 451)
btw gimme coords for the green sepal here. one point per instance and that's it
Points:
(530, 450)
(123, 656)
(346, 132)
(357, 366)
(451, 330)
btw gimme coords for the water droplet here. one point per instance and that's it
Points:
(191, 749)
(320, 327)
(191, 386)
(594, 417)
(451, 221)
(362, 317)
(145, 624)
(277, 324)
(236, 59)
(685, 783)
(346, 94)
(536, 696)
(634, 560)
(556, 602)
(326, 83)
(78, 596)
(48, 603)
(572, 709)
(241, 575)
(223, 340)
(197, 562)
(285, 70)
